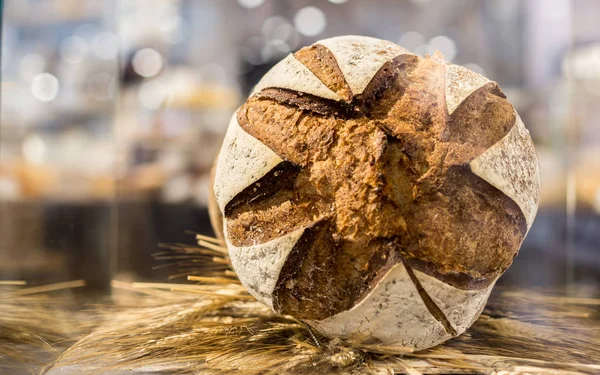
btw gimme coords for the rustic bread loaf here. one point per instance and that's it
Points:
(375, 194)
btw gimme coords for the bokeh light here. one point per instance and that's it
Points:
(147, 62)
(279, 29)
(445, 45)
(45, 87)
(310, 21)
(271, 24)
(286, 32)
(249, 4)
(424, 49)
(411, 40)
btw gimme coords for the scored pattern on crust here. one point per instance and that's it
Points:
(460, 83)
(459, 306)
(261, 264)
(512, 167)
(242, 160)
(394, 300)
(360, 57)
(290, 74)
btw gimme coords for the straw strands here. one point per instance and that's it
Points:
(211, 325)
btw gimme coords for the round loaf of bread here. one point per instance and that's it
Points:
(375, 194)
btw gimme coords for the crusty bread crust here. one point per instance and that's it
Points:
(357, 173)
(290, 74)
(242, 160)
(214, 212)
(261, 263)
(460, 307)
(391, 313)
(361, 57)
(502, 165)
(460, 83)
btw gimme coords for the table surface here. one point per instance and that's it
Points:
(549, 332)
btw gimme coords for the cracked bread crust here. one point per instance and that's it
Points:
(379, 178)
(388, 183)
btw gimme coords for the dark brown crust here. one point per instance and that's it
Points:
(380, 179)
(385, 89)
(446, 240)
(481, 120)
(307, 102)
(272, 198)
(306, 272)
(279, 179)
(313, 267)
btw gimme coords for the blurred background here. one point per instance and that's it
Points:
(113, 111)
